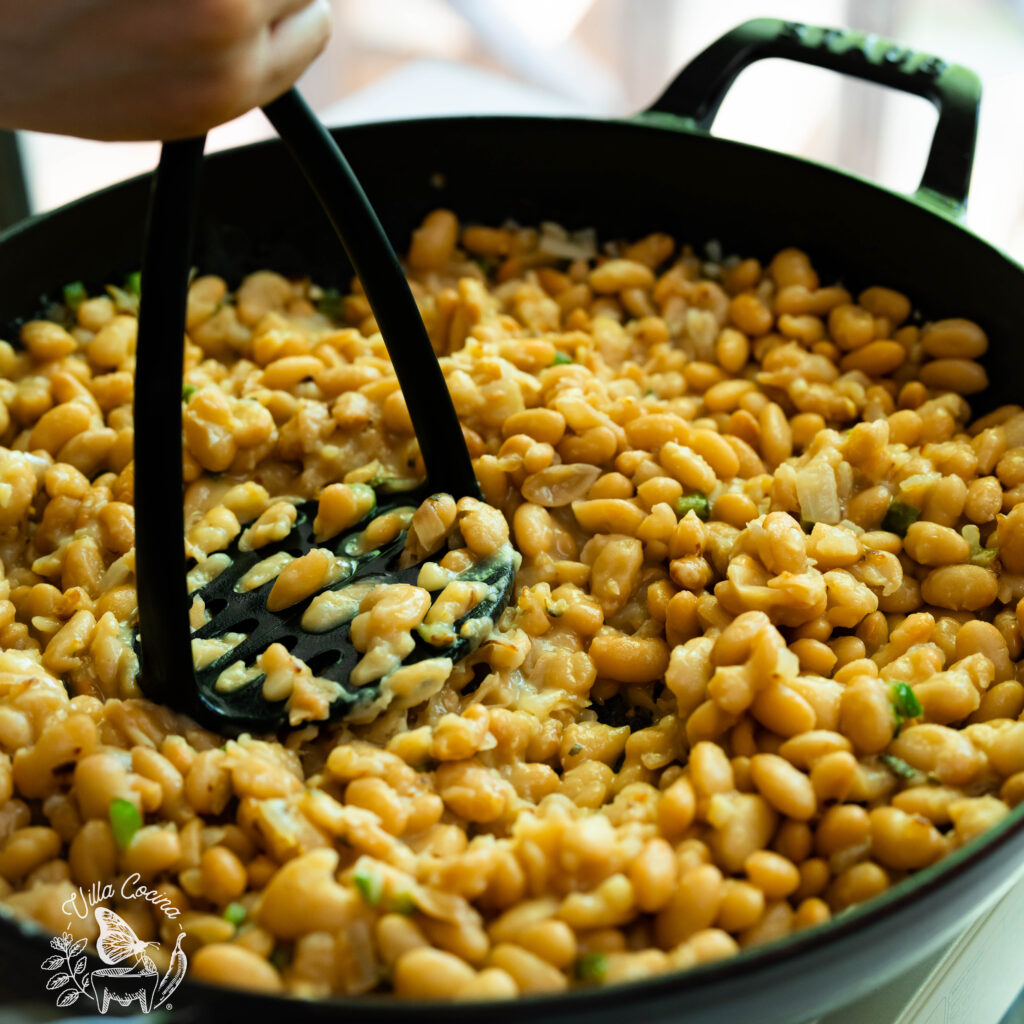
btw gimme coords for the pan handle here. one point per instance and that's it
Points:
(698, 90)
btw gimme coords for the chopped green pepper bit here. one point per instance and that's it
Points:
(904, 703)
(561, 359)
(438, 634)
(133, 283)
(696, 502)
(234, 913)
(488, 264)
(401, 903)
(897, 766)
(124, 301)
(74, 295)
(899, 518)
(592, 967)
(125, 821)
(370, 885)
(331, 304)
(979, 555)
(187, 392)
(984, 556)
(381, 478)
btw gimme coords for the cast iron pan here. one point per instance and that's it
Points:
(660, 170)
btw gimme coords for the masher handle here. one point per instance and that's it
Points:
(160, 559)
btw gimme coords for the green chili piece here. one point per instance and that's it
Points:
(696, 502)
(897, 766)
(488, 264)
(904, 703)
(438, 634)
(561, 359)
(125, 821)
(74, 295)
(899, 518)
(980, 555)
(234, 913)
(331, 304)
(133, 283)
(592, 967)
(370, 886)
(984, 556)
(401, 903)
(187, 392)
(124, 301)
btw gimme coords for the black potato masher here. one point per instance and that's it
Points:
(163, 641)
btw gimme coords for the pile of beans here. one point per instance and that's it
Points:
(762, 660)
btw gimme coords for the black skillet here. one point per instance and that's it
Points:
(660, 170)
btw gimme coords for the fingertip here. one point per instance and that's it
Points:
(295, 42)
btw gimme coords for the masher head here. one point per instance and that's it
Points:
(320, 674)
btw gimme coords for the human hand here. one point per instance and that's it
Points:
(150, 69)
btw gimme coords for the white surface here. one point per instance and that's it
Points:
(425, 88)
(973, 980)
(982, 972)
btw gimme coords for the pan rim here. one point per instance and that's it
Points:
(644, 121)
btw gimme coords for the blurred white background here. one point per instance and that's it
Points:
(393, 58)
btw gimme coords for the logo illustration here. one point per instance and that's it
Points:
(130, 976)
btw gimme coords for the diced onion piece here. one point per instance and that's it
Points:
(817, 492)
